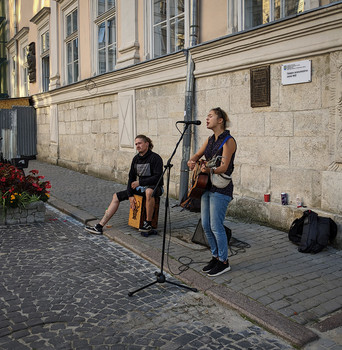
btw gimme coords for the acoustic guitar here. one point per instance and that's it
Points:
(199, 181)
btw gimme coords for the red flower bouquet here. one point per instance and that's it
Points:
(18, 190)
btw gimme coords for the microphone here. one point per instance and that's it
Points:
(195, 122)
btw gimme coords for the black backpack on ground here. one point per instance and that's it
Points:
(312, 233)
(296, 229)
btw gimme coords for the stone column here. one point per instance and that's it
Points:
(128, 45)
(332, 178)
(54, 47)
(54, 134)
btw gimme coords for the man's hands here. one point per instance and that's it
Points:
(132, 202)
(135, 184)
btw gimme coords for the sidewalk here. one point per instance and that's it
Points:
(294, 295)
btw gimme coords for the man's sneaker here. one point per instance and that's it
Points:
(212, 263)
(219, 269)
(97, 229)
(146, 227)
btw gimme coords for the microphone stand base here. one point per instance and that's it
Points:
(161, 278)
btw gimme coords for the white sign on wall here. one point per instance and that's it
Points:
(296, 72)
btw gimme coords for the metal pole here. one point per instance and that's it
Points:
(189, 100)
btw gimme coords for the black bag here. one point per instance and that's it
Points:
(312, 233)
(296, 229)
(309, 242)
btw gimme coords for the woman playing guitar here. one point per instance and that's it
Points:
(214, 201)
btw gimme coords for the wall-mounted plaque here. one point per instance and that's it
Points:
(31, 60)
(260, 87)
(296, 72)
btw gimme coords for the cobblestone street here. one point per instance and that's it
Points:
(61, 288)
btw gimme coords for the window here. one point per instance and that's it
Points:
(247, 14)
(45, 42)
(71, 44)
(105, 24)
(167, 26)
(45, 60)
(258, 12)
(104, 5)
(24, 72)
(13, 76)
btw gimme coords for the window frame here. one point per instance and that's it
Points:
(110, 14)
(12, 73)
(149, 16)
(241, 5)
(24, 85)
(44, 57)
(70, 39)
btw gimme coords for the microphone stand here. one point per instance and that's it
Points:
(161, 278)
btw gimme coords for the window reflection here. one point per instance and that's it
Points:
(259, 12)
(104, 5)
(168, 26)
(106, 37)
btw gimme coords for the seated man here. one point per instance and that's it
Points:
(146, 169)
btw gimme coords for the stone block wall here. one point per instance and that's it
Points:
(283, 147)
(158, 109)
(89, 135)
(34, 212)
(290, 146)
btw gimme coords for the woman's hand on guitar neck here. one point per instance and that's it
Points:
(191, 164)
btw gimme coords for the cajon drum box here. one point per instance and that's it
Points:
(138, 215)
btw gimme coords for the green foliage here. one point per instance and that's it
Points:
(18, 190)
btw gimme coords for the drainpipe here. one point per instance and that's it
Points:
(189, 99)
(193, 23)
(15, 17)
(16, 89)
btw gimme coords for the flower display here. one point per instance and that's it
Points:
(18, 189)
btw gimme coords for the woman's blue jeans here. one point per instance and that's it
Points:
(213, 212)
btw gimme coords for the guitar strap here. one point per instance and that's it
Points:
(187, 202)
(224, 141)
(214, 157)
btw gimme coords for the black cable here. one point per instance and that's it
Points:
(235, 246)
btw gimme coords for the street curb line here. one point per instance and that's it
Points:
(330, 323)
(72, 211)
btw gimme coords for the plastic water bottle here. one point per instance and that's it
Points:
(299, 202)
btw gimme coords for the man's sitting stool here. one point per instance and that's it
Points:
(138, 215)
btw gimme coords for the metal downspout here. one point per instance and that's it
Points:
(189, 100)
(16, 89)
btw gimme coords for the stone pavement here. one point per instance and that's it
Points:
(297, 296)
(61, 288)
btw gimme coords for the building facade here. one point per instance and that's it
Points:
(102, 71)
